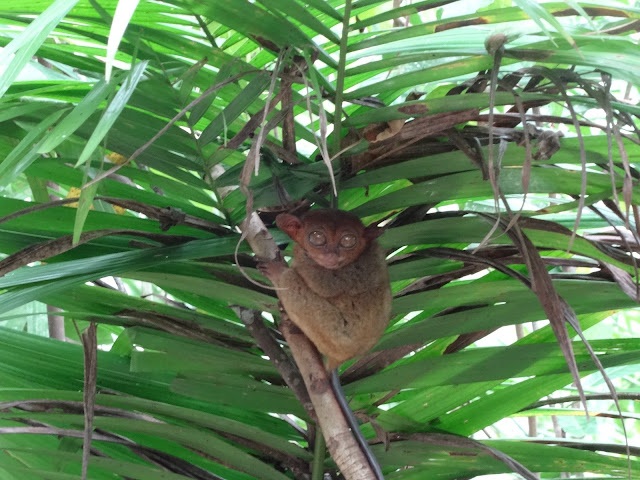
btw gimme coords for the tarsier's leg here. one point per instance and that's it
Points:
(322, 322)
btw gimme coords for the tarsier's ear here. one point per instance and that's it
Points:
(289, 224)
(373, 231)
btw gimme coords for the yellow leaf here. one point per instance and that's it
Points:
(116, 158)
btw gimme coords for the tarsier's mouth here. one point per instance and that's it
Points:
(331, 261)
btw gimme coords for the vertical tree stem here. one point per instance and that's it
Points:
(318, 456)
(337, 117)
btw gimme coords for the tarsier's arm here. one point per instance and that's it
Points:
(311, 313)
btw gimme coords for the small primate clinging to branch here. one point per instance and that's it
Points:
(337, 288)
(336, 291)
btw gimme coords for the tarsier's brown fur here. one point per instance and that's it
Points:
(337, 293)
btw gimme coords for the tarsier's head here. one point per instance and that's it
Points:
(332, 238)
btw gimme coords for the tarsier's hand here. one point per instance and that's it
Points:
(274, 268)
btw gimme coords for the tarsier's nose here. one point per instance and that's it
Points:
(330, 260)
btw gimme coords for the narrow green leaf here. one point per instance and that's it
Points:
(278, 439)
(386, 14)
(77, 116)
(497, 363)
(183, 435)
(101, 266)
(235, 107)
(538, 13)
(471, 184)
(121, 19)
(208, 288)
(19, 52)
(25, 153)
(114, 109)
(198, 111)
(38, 188)
(84, 204)
(299, 13)
(126, 469)
(9, 111)
(324, 7)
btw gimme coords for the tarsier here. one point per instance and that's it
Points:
(336, 291)
(337, 288)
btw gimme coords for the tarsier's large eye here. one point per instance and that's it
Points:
(348, 241)
(317, 238)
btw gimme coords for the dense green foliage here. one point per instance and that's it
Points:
(492, 226)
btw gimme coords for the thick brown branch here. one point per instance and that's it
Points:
(291, 375)
(341, 443)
